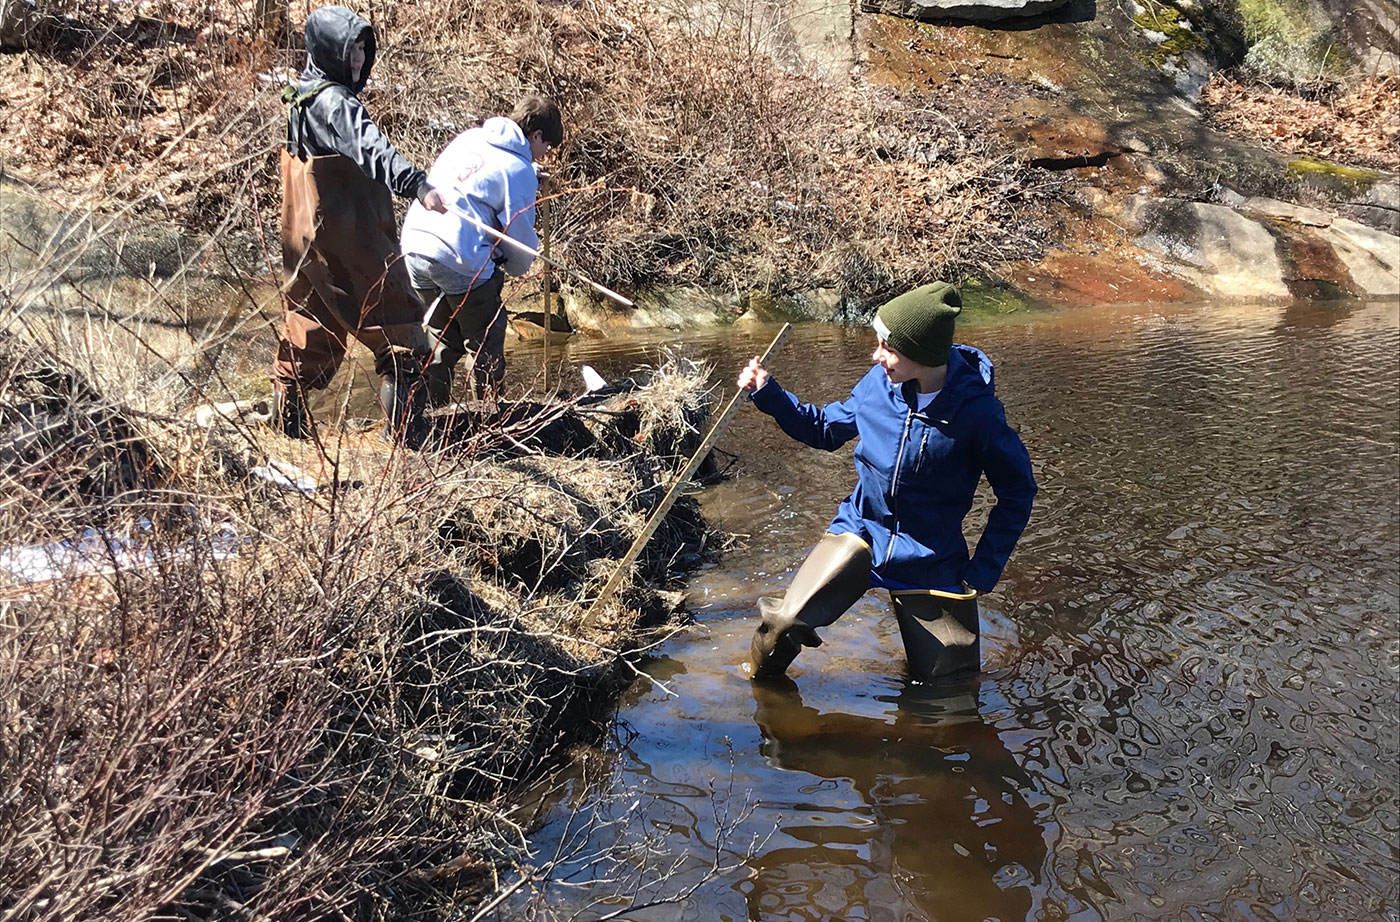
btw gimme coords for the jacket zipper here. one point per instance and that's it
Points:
(894, 484)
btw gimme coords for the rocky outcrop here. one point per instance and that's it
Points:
(1215, 247)
(1265, 248)
(963, 10)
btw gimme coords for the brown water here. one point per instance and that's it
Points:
(1190, 707)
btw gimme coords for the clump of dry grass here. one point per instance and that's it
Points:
(291, 706)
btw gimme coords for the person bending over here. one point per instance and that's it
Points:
(488, 174)
(929, 427)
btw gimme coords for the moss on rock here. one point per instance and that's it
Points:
(1356, 176)
(1180, 35)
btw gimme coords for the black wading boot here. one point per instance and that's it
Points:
(941, 634)
(289, 411)
(404, 401)
(437, 379)
(830, 580)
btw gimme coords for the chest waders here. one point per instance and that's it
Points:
(940, 630)
(342, 278)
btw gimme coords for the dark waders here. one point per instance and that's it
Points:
(468, 325)
(940, 631)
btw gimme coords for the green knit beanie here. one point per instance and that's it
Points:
(919, 323)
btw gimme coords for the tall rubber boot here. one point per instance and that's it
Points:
(404, 400)
(289, 414)
(829, 582)
(942, 636)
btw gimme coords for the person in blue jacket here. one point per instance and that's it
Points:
(929, 426)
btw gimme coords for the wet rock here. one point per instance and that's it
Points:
(1074, 279)
(658, 307)
(1369, 196)
(1358, 258)
(1071, 143)
(1313, 270)
(1285, 211)
(963, 10)
(1268, 249)
(1371, 256)
(825, 305)
(1378, 206)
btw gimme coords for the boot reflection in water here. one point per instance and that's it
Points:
(947, 830)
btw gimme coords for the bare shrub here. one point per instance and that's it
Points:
(690, 155)
(227, 700)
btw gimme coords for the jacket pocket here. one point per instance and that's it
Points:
(933, 450)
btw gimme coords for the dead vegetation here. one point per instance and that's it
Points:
(689, 155)
(220, 699)
(1357, 125)
(223, 699)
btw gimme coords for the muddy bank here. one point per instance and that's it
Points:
(266, 674)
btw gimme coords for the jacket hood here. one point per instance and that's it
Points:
(504, 133)
(330, 33)
(970, 375)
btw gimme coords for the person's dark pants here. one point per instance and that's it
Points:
(469, 325)
(940, 634)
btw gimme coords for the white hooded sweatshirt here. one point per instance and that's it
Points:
(486, 172)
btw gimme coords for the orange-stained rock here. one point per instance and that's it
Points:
(1078, 279)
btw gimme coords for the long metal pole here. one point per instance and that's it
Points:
(511, 241)
(624, 566)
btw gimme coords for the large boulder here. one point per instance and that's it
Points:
(1262, 248)
(1215, 247)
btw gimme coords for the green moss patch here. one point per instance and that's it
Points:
(1180, 38)
(1304, 166)
(984, 299)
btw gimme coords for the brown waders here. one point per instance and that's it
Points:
(469, 325)
(343, 278)
(940, 630)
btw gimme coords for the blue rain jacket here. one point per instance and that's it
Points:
(917, 472)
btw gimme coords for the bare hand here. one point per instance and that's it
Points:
(433, 201)
(754, 375)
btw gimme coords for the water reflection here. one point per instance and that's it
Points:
(950, 833)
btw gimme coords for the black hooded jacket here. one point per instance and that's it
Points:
(334, 121)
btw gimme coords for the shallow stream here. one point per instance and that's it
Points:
(1189, 709)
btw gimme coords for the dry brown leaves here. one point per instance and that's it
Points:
(1360, 126)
